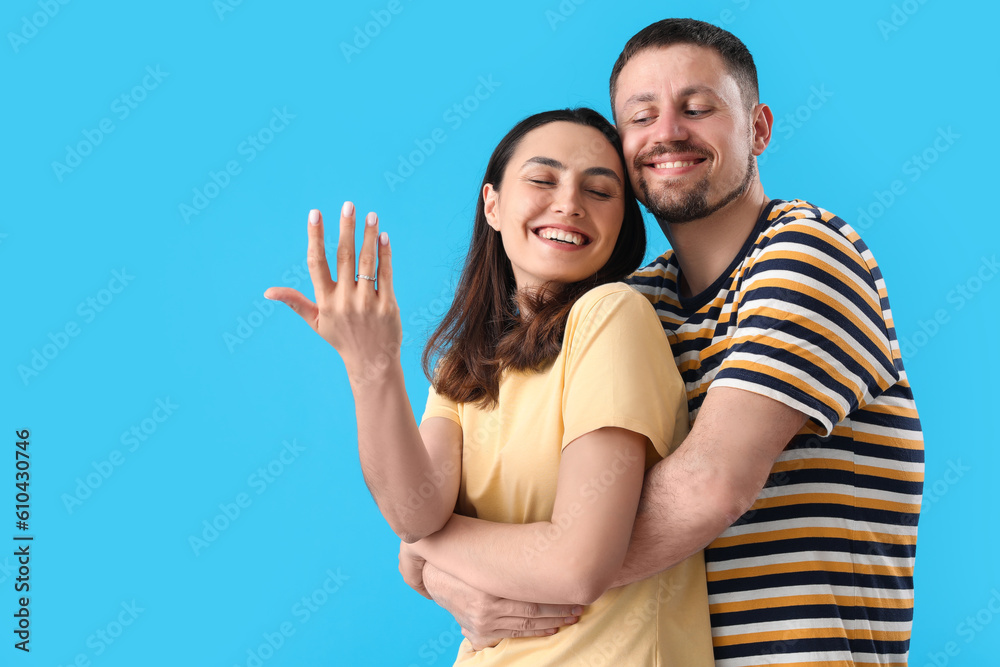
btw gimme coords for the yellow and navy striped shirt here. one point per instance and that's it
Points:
(819, 571)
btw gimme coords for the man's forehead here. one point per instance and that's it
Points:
(683, 69)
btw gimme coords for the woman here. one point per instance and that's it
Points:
(553, 390)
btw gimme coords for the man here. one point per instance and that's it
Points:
(803, 471)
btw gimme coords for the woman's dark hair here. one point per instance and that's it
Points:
(482, 334)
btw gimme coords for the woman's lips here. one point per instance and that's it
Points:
(561, 236)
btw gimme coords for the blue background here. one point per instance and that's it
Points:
(858, 88)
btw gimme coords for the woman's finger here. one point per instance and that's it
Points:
(319, 270)
(345, 246)
(295, 300)
(366, 260)
(385, 267)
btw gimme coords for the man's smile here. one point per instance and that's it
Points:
(673, 164)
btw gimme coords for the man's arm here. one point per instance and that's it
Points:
(715, 475)
(688, 499)
(572, 558)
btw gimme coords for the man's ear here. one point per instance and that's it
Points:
(490, 202)
(762, 121)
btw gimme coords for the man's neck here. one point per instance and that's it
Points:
(706, 247)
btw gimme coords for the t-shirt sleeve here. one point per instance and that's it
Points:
(810, 328)
(440, 406)
(620, 371)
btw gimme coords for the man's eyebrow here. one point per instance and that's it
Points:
(686, 92)
(694, 90)
(556, 164)
(639, 97)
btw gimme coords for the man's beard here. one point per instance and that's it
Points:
(694, 205)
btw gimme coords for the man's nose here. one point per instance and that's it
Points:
(670, 126)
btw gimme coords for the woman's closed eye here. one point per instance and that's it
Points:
(601, 194)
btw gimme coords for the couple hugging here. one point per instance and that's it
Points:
(713, 459)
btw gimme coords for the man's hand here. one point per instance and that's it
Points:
(411, 566)
(485, 619)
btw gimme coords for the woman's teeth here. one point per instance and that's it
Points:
(560, 235)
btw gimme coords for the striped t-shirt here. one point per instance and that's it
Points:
(819, 571)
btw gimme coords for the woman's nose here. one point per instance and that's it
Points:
(568, 201)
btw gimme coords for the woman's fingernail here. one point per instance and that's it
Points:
(551, 631)
(570, 620)
(576, 611)
(371, 219)
(314, 217)
(383, 238)
(348, 209)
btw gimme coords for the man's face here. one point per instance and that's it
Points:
(686, 132)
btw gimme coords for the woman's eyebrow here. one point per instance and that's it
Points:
(546, 161)
(556, 164)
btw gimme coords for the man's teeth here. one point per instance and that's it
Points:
(560, 235)
(672, 165)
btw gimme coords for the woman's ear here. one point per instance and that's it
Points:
(490, 203)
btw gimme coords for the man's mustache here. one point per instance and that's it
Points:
(677, 147)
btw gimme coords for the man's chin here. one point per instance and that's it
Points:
(676, 216)
(674, 210)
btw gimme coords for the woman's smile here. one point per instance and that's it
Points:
(561, 236)
(559, 206)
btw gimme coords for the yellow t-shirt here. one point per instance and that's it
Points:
(615, 369)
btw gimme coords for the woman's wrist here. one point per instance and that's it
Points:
(375, 373)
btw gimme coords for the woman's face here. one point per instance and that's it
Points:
(560, 204)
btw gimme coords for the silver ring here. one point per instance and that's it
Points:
(361, 275)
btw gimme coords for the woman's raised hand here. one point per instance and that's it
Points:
(361, 321)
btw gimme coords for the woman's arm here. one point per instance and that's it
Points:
(574, 557)
(412, 473)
